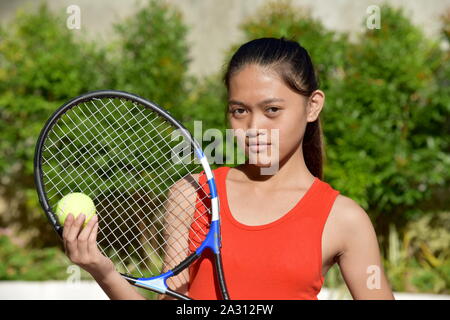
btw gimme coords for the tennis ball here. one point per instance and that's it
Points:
(75, 203)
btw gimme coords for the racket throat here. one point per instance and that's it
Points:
(158, 284)
(212, 240)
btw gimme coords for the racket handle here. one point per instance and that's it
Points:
(177, 295)
(221, 277)
(185, 263)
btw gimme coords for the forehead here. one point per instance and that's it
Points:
(255, 83)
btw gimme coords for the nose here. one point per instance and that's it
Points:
(255, 125)
(252, 132)
(257, 136)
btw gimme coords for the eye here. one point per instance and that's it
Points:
(238, 112)
(272, 109)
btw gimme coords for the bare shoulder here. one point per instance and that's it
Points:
(182, 193)
(185, 185)
(181, 196)
(349, 220)
(348, 211)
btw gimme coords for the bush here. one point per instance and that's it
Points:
(387, 138)
(41, 66)
(419, 260)
(21, 264)
(152, 55)
(281, 19)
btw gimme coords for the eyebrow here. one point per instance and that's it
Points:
(264, 102)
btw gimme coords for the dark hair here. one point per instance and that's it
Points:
(293, 64)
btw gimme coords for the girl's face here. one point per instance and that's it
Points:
(268, 117)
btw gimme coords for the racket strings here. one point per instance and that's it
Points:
(159, 230)
(116, 154)
(83, 154)
(119, 181)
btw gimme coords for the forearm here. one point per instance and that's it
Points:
(117, 288)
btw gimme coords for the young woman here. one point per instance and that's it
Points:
(281, 232)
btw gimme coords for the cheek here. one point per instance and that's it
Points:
(240, 138)
(291, 133)
(236, 126)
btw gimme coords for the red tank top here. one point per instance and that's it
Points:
(278, 260)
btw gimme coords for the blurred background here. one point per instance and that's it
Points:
(386, 121)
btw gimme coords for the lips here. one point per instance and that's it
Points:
(258, 144)
(256, 147)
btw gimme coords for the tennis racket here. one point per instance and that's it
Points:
(140, 166)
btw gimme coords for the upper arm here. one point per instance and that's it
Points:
(360, 260)
(177, 219)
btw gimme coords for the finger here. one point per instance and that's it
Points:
(75, 228)
(83, 237)
(76, 246)
(67, 224)
(66, 229)
(72, 235)
(92, 241)
(93, 233)
(86, 231)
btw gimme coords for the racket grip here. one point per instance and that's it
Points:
(177, 295)
(221, 277)
(185, 263)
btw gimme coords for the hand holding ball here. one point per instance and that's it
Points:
(75, 203)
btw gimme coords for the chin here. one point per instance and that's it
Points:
(262, 161)
(267, 169)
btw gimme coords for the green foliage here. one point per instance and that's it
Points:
(40, 57)
(419, 261)
(386, 117)
(41, 66)
(445, 31)
(206, 101)
(282, 19)
(386, 128)
(22, 264)
(152, 57)
(334, 280)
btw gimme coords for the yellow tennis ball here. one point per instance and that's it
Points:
(75, 203)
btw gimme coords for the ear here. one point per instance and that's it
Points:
(314, 106)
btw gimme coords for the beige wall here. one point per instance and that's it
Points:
(214, 23)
